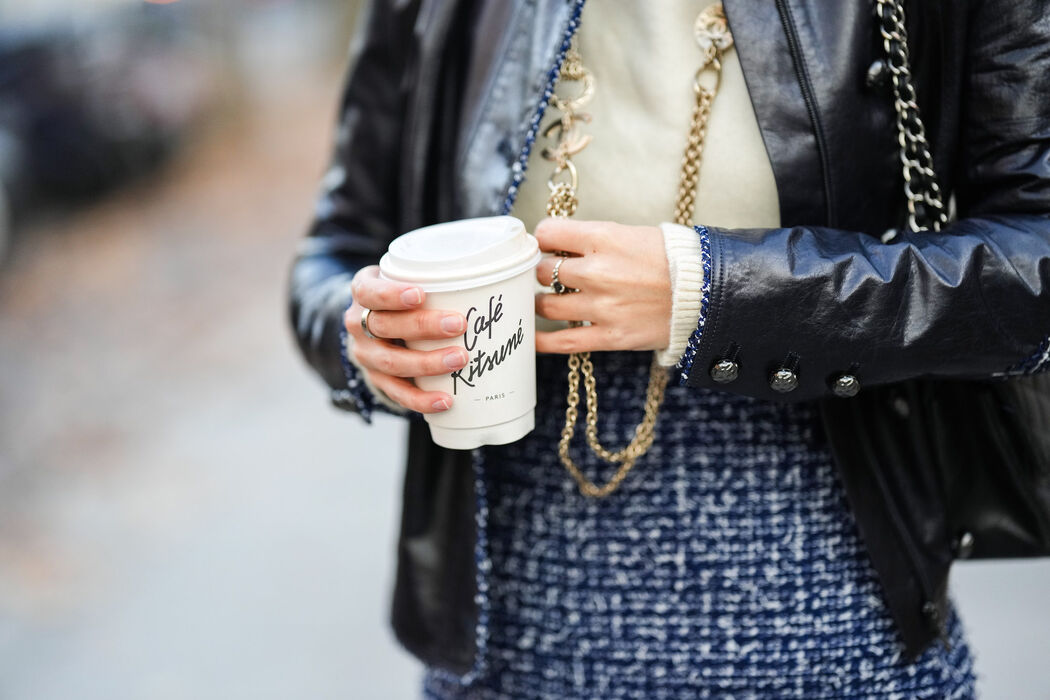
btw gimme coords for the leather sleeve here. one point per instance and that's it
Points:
(970, 301)
(356, 211)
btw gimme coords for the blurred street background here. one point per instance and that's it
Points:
(182, 514)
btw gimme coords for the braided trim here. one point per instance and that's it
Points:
(1037, 362)
(685, 363)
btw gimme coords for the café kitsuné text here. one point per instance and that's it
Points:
(482, 361)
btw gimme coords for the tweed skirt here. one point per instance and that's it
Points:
(727, 564)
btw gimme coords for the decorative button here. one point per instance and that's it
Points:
(845, 385)
(901, 407)
(932, 615)
(783, 380)
(725, 371)
(963, 545)
(878, 75)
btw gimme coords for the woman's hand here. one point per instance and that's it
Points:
(624, 282)
(396, 316)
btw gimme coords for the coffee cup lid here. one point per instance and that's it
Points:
(461, 254)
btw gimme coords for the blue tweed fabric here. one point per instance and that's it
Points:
(728, 563)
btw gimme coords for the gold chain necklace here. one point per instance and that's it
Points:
(712, 35)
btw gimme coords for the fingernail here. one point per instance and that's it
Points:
(441, 405)
(453, 323)
(455, 359)
(411, 297)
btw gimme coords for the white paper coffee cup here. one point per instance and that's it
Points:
(484, 269)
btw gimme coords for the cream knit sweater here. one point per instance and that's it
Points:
(643, 58)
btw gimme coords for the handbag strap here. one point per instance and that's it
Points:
(926, 208)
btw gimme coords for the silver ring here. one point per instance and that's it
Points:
(556, 285)
(364, 325)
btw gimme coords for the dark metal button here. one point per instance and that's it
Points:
(963, 545)
(901, 407)
(878, 75)
(932, 615)
(725, 371)
(783, 380)
(845, 385)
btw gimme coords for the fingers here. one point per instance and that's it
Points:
(409, 395)
(372, 292)
(416, 325)
(580, 237)
(396, 315)
(565, 307)
(394, 311)
(395, 360)
(582, 339)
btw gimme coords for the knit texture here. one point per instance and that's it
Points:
(682, 247)
(728, 563)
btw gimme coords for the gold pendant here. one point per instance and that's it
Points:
(711, 31)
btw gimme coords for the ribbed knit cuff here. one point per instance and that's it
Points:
(682, 246)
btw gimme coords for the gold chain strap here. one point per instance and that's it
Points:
(712, 34)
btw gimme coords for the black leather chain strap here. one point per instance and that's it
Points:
(926, 209)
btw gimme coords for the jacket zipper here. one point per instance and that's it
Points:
(798, 62)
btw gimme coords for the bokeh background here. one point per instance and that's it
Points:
(182, 514)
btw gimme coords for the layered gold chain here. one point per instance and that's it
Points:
(712, 35)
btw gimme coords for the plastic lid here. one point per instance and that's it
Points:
(461, 254)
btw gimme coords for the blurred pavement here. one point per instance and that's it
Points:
(182, 514)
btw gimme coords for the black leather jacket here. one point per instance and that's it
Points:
(436, 120)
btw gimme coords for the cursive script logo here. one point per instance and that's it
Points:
(483, 361)
(483, 324)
